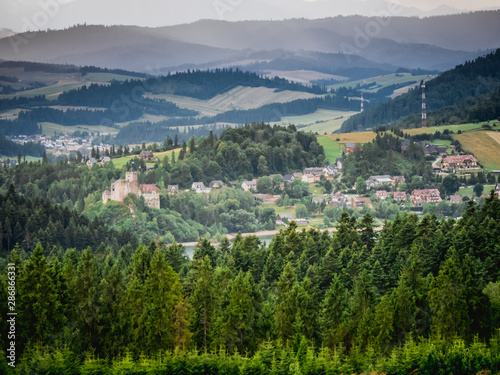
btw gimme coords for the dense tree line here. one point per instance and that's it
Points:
(421, 296)
(84, 70)
(9, 148)
(23, 102)
(470, 80)
(483, 108)
(30, 66)
(152, 132)
(207, 84)
(27, 221)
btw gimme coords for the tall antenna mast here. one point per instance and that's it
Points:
(424, 109)
(362, 101)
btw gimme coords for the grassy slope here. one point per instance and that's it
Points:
(361, 137)
(441, 128)
(240, 98)
(331, 147)
(382, 81)
(322, 121)
(484, 147)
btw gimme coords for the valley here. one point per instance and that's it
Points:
(247, 195)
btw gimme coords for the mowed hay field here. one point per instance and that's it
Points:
(332, 149)
(361, 137)
(441, 128)
(322, 121)
(484, 145)
(239, 98)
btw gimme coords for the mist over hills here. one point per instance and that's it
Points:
(436, 43)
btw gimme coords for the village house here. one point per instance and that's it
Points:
(458, 163)
(349, 147)
(360, 202)
(297, 175)
(421, 197)
(172, 189)
(338, 199)
(404, 144)
(456, 199)
(398, 180)
(381, 194)
(320, 198)
(283, 218)
(497, 190)
(399, 196)
(146, 155)
(308, 178)
(378, 181)
(249, 185)
(216, 184)
(105, 160)
(265, 198)
(200, 187)
(91, 162)
(316, 171)
(330, 171)
(288, 178)
(338, 163)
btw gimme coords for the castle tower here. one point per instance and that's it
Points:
(362, 102)
(424, 109)
(131, 183)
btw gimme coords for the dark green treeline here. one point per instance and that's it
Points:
(420, 295)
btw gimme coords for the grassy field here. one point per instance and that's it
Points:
(454, 128)
(28, 158)
(331, 147)
(107, 77)
(361, 137)
(240, 97)
(322, 121)
(467, 192)
(316, 190)
(484, 146)
(49, 128)
(120, 162)
(382, 81)
(303, 76)
(51, 92)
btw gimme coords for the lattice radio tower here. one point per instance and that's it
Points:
(424, 109)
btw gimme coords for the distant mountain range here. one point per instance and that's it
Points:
(435, 43)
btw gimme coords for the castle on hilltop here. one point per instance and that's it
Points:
(123, 187)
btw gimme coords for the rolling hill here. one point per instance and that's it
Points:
(438, 42)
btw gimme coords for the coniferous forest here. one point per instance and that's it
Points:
(420, 296)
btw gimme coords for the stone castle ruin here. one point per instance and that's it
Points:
(123, 187)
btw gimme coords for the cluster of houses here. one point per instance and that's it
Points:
(429, 149)
(62, 144)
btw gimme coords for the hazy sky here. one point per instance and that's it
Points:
(21, 15)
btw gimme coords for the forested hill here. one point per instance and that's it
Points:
(197, 84)
(474, 79)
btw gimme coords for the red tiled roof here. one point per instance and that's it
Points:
(151, 188)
